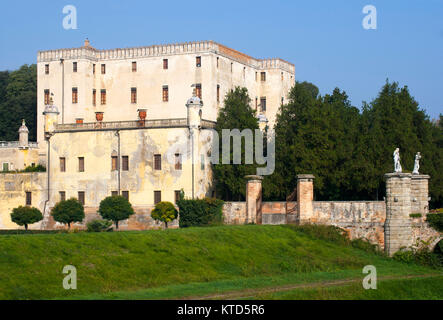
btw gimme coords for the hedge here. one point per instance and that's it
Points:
(200, 212)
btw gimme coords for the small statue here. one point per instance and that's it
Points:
(397, 165)
(416, 163)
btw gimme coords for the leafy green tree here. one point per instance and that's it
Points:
(18, 100)
(23, 216)
(68, 211)
(115, 208)
(235, 114)
(164, 211)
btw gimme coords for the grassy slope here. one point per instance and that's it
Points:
(179, 262)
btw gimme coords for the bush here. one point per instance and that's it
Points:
(422, 256)
(68, 211)
(115, 208)
(415, 215)
(99, 225)
(37, 168)
(26, 215)
(20, 231)
(200, 212)
(435, 220)
(164, 211)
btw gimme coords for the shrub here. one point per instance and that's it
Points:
(115, 208)
(37, 168)
(164, 211)
(68, 211)
(415, 215)
(200, 212)
(435, 220)
(422, 256)
(26, 215)
(99, 225)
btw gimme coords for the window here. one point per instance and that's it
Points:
(62, 164)
(46, 68)
(94, 97)
(74, 67)
(81, 164)
(157, 162)
(198, 90)
(157, 197)
(263, 76)
(133, 95)
(255, 76)
(114, 163)
(218, 93)
(263, 103)
(81, 197)
(244, 72)
(28, 198)
(103, 68)
(134, 66)
(46, 96)
(165, 93)
(232, 66)
(198, 61)
(5, 166)
(114, 193)
(103, 96)
(282, 76)
(125, 163)
(74, 95)
(256, 103)
(165, 64)
(62, 195)
(202, 162)
(93, 68)
(176, 195)
(125, 195)
(217, 61)
(178, 161)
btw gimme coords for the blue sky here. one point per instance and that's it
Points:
(324, 39)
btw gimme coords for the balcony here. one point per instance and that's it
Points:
(136, 124)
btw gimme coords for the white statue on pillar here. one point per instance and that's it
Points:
(397, 165)
(416, 163)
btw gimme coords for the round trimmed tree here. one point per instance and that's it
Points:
(68, 211)
(23, 216)
(164, 211)
(115, 208)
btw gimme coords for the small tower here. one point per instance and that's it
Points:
(194, 105)
(23, 133)
(51, 118)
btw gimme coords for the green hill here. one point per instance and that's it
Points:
(182, 262)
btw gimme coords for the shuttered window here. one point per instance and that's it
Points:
(165, 93)
(103, 96)
(125, 163)
(81, 197)
(46, 96)
(165, 64)
(178, 161)
(62, 164)
(81, 164)
(28, 198)
(133, 95)
(157, 197)
(74, 95)
(157, 162)
(62, 195)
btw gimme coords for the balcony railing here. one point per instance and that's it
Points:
(137, 124)
(16, 144)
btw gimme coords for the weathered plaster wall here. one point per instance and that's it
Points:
(18, 159)
(13, 188)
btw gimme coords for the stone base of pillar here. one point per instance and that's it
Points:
(254, 199)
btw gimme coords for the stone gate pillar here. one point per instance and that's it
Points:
(305, 197)
(420, 193)
(398, 231)
(253, 199)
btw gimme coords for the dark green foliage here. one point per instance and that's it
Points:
(18, 100)
(164, 211)
(23, 216)
(235, 114)
(115, 208)
(68, 211)
(37, 168)
(19, 231)
(349, 152)
(435, 220)
(415, 215)
(99, 225)
(422, 256)
(200, 212)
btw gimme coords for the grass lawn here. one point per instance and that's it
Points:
(180, 263)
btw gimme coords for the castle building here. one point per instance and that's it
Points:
(119, 122)
(118, 82)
